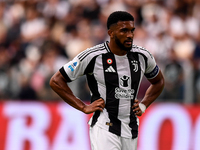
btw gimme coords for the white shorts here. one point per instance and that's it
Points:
(102, 139)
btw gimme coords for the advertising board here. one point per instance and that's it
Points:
(58, 126)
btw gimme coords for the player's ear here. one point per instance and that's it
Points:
(110, 33)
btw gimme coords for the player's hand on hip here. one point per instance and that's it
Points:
(97, 105)
(136, 108)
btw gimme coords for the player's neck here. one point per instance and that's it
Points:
(115, 49)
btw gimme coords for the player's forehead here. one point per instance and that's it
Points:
(125, 24)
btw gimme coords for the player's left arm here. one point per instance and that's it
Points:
(154, 90)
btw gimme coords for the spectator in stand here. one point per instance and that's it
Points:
(171, 24)
(34, 28)
(196, 65)
(174, 80)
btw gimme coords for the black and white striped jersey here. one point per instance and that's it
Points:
(116, 79)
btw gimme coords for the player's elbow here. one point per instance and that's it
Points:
(53, 81)
(161, 83)
(57, 81)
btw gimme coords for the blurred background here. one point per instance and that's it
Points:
(37, 37)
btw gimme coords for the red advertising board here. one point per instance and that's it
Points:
(58, 126)
(170, 126)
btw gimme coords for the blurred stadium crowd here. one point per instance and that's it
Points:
(38, 36)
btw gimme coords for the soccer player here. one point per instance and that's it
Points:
(114, 71)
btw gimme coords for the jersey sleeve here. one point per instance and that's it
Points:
(152, 69)
(73, 69)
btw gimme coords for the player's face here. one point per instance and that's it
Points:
(123, 34)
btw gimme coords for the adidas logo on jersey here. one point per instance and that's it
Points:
(110, 69)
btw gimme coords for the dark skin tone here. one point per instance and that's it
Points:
(121, 37)
(124, 32)
(58, 84)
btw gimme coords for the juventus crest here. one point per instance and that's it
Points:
(135, 65)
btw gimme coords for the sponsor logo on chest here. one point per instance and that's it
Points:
(124, 93)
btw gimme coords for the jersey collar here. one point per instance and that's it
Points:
(107, 47)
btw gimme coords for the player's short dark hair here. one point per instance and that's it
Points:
(118, 16)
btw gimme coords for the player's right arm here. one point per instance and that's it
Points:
(59, 84)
